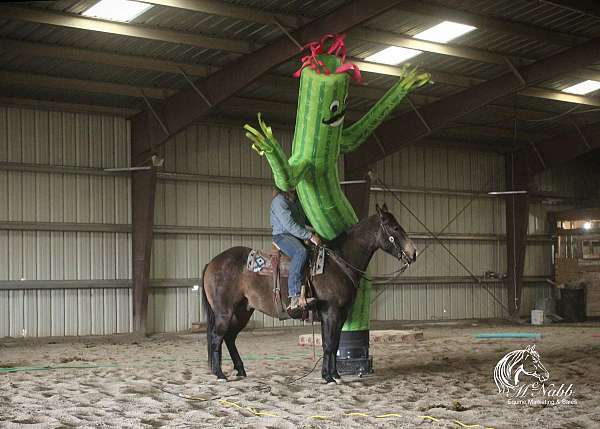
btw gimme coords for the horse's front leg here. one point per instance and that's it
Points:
(326, 340)
(337, 317)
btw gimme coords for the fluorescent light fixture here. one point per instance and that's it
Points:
(587, 225)
(117, 10)
(444, 32)
(440, 33)
(393, 55)
(506, 192)
(584, 87)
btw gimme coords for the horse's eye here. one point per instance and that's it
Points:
(391, 239)
(335, 105)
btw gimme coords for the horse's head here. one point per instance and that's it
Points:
(532, 365)
(393, 239)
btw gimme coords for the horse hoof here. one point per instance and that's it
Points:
(337, 376)
(329, 379)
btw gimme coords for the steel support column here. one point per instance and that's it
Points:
(143, 189)
(517, 217)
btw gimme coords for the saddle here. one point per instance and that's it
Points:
(275, 264)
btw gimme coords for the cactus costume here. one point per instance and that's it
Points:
(319, 139)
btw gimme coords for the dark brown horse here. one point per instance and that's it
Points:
(231, 293)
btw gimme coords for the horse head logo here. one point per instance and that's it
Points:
(516, 363)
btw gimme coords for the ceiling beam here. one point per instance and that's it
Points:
(42, 16)
(145, 63)
(18, 47)
(44, 81)
(188, 105)
(466, 81)
(587, 7)
(221, 8)
(526, 30)
(557, 150)
(458, 51)
(66, 107)
(405, 129)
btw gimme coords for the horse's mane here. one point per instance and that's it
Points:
(340, 239)
(504, 370)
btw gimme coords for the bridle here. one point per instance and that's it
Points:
(349, 268)
(400, 254)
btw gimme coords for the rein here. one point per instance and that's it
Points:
(347, 266)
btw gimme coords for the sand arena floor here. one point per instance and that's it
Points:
(443, 381)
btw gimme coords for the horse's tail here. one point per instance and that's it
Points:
(210, 320)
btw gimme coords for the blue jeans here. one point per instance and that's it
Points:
(294, 248)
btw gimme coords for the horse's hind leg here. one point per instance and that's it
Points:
(238, 322)
(218, 333)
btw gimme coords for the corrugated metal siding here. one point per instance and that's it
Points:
(450, 170)
(221, 151)
(64, 139)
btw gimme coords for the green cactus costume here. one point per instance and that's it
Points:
(319, 139)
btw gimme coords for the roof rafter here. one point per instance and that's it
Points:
(186, 106)
(98, 57)
(587, 7)
(42, 16)
(234, 104)
(467, 81)
(557, 150)
(390, 38)
(496, 24)
(234, 11)
(448, 109)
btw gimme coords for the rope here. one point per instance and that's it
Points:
(442, 244)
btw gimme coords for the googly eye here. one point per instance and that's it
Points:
(335, 105)
(391, 239)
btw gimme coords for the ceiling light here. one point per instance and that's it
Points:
(444, 32)
(117, 10)
(587, 225)
(393, 55)
(583, 87)
(440, 33)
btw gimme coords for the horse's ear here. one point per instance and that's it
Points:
(384, 208)
(532, 349)
(378, 209)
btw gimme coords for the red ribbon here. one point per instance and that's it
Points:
(336, 48)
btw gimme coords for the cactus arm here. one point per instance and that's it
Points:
(286, 175)
(357, 133)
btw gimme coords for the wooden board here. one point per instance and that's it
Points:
(592, 295)
(382, 336)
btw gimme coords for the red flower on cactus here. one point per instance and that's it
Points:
(337, 48)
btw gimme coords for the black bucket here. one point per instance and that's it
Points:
(571, 306)
(353, 354)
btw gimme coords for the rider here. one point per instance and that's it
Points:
(289, 227)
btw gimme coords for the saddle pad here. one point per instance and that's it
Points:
(261, 262)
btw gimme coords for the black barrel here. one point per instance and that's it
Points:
(571, 306)
(353, 354)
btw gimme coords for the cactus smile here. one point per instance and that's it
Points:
(335, 120)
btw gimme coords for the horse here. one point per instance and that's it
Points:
(513, 365)
(231, 293)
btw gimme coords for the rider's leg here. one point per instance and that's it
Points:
(293, 248)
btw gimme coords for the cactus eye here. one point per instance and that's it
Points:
(335, 105)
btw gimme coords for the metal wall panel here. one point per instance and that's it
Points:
(45, 138)
(459, 177)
